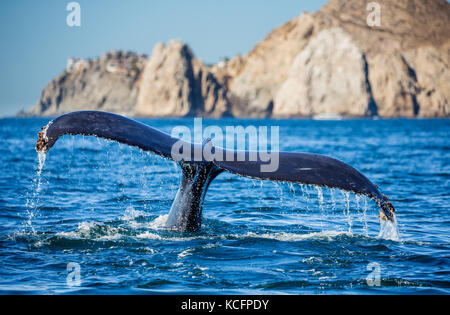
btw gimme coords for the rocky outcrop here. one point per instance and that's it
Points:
(176, 84)
(168, 82)
(406, 57)
(394, 85)
(109, 83)
(327, 62)
(213, 100)
(405, 24)
(431, 69)
(256, 77)
(327, 77)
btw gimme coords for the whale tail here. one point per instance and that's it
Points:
(185, 213)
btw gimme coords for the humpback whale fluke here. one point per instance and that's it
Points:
(186, 211)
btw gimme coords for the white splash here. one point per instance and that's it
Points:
(148, 236)
(131, 214)
(389, 230)
(293, 237)
(92, 230)
(159, 223)
(187, 252)
(41, 159)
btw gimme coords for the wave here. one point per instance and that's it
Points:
(102, 232)
(92, 230)
(293, 237)
(136, 225)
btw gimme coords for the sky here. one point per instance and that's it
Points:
(36, 40)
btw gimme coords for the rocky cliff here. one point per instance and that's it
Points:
(302, 68)
(176, 84)
(327, 62)
(109, 83)
(328, 76)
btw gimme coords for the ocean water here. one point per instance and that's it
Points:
(89, 219)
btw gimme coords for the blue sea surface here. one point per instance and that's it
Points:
(101, 206)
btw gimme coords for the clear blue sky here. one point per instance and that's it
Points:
(36, 41)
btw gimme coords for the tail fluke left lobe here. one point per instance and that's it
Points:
(107, 126)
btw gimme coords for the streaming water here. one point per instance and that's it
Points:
(321, 205)
(347, 210)
(104, 206)
(32, 202)
(366, 229)
(389, 230)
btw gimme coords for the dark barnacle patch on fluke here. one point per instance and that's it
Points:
(41, 144)
(390, 207)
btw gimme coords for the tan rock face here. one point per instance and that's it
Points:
(328, 76)
(431, 65)
(109, 83)
(167, 86)
(405, 24)
(394, 85)
(253, 86)
(407, 54)
(403, 77)
(412, 83)
(212, 97)
(175, 84)
(342, 66)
